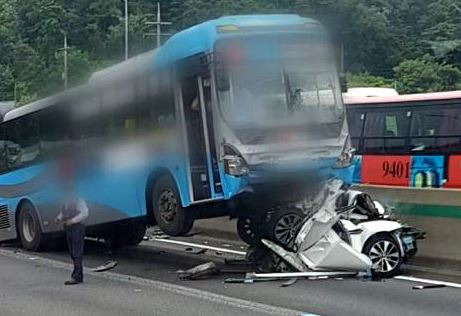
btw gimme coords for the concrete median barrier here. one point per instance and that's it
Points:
(436, 211)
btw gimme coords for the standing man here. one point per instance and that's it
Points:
(73, 212)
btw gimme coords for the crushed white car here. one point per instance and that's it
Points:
(348, 232)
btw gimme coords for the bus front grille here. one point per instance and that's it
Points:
(4, 217)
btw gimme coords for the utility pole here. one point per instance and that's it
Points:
(64, 75)
(126, 29)
(158, 23)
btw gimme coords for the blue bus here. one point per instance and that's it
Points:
(239, 116)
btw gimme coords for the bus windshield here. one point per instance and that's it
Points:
(279, 90)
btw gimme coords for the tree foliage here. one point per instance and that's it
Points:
(426, 74)
(415, 43)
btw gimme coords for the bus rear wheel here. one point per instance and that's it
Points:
(169, 214)
(30, 232)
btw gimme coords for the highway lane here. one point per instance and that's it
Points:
(154, 260)
(31, 285)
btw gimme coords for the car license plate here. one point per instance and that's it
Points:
(408, 242)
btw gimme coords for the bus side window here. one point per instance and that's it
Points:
(3, 157)
(55, 130)
(157, 109)
(23, 146)
(355, 120)
(386, 132)
(87, 122)
(436, 129)
(119, 109)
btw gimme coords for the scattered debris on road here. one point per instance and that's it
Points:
(428, 286)
(106, 266)
(290, 282)
(199, 272)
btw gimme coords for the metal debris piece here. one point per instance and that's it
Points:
(199, 272)
(428, 286)
(237, 262)
(106, 266)
(289, 282)
(249, 280)
(290, 275)
(201, 251)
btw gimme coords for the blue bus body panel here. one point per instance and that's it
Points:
(202, 37)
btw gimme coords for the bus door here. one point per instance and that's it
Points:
(195, 103)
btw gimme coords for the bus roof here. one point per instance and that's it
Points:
(202, 37)
(127, 67)
(28, 108)
(434, 96)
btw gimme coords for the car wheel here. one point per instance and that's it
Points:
(283, 226)
(384, 254)
(30, 232)
(248, 228)
(169, 214)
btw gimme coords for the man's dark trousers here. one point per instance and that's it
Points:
(75, 234)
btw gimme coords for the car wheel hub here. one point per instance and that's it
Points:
(384, 255)
(287, 227)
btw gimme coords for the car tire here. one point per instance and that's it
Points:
(29, 229)
(249, 229)
(169, 214)
(284, 225)
(384, 253)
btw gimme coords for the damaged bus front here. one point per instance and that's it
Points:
(279, 120)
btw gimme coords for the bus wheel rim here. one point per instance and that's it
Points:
(167, 205)
(28, 227)
(384, 255)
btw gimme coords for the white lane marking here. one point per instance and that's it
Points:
(160, 285)
(428, 281)
(189, 244)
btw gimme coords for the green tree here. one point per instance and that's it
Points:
(425, 74)
(367, 80)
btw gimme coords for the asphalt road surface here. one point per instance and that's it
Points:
(145, 283)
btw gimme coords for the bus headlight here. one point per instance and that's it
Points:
(235, 166)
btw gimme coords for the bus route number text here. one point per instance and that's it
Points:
(396, 169)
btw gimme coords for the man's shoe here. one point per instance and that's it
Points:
(72, 282)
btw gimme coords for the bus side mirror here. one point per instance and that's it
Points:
(343, 82)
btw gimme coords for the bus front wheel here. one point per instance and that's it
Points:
(169, 214)
(30, 232)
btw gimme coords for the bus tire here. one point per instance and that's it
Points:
(188, 226)
(29, 230)
(169, 214)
